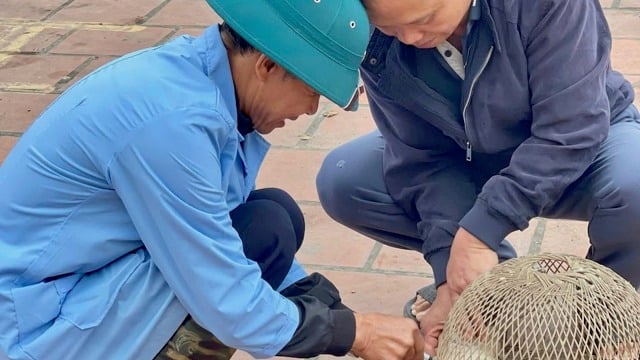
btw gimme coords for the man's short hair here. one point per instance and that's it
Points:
(238, 42)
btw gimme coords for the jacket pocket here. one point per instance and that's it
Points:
(36, 306)
(87, 304)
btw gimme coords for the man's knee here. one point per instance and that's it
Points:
(268, 238)
(614, 229)
(335, 187)
(287, 202)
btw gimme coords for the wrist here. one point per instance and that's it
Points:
(362, 335)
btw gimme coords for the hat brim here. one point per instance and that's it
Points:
(294, 53)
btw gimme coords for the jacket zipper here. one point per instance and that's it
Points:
(468, 100)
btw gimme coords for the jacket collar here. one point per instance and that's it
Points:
(480, 10)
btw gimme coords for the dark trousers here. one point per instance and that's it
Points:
(271, 227)
(352, 191)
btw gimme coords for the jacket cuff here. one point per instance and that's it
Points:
(343, 323)
(438, 261)
(487, 224)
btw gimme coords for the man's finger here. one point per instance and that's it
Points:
(410, 355)
(430, 344)
(418, 342)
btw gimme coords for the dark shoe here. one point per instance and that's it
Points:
(428, 293)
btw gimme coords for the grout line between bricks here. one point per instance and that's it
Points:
(29, 88)
(354, 269)
(85, 55)
(153, 12)
(57, 42)
(313, 126)
(56, 10)
(536, 239)
(168, 37)
(373, 255)
(69, 77)
(82, 25)
(10, 133)
(308, 202)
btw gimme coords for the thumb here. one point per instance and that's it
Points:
(431, 341)
(430, 344)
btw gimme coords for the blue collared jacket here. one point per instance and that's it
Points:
(114, 215)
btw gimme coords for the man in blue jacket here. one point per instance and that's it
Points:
(489, 113)
(130, 226)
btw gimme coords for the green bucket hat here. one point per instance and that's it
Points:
(322, 42)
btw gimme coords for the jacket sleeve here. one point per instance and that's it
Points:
(567, 45)
(326, 326)
(170, 181)
(425, 175)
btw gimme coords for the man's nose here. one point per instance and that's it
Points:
(410, 37)
(313, 105)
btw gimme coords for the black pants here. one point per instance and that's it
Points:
(271, 226)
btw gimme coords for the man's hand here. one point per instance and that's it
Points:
(469, 258)
(386, 337)
(432, 323)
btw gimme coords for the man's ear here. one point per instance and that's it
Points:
(264, 67)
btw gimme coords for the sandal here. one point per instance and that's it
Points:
(428, 293)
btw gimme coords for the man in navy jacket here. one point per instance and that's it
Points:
(130, 225)
(489, 113)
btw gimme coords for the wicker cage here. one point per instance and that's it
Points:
(545, 307)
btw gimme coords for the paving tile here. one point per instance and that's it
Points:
(292, 133)
(566, 237)
(624, 23)
(399, 260)
(342, 127)
(29, 9)
(43, 40)
(185, 12)
(324, 235)
(364, 100)
(96, 42)
(18, 110)
(195, 31)
(93, 65)
(8, 34)
(521, 240)
(292, 170)
(606, 3)
(6, 143)
(37, 72)
(630, 4)
(625, 56)
(113, 11)
(382, 293)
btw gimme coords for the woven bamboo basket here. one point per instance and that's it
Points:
(545, 307)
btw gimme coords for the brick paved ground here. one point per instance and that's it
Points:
(46, 45)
